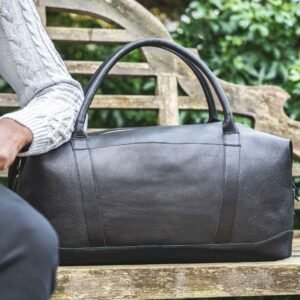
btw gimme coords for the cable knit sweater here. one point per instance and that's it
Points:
(50, 98)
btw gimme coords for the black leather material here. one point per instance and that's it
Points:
(89, 194)
(280, 245)
(193, 193)
(231, 169)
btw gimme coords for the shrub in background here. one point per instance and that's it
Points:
(248, 42)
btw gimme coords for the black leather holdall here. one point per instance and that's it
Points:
(213, 192)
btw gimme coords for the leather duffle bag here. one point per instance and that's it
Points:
(213, 192)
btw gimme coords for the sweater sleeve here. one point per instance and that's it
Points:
(49, 97)
(50, 116)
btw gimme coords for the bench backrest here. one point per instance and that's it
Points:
(263, 104)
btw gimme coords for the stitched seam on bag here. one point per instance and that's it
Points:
(163, 143)
(188, 245)
(291, 162)
(238, 187)
(98, 197)
(81, 193)
(223, 188)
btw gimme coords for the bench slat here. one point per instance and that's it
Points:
(103, 101)
(180, 281)
(121, 68)
(89, 35)
(296, 170)
(131, 102)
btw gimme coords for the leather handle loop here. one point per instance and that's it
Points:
(194, 62)
(212, 110)
(213, 114)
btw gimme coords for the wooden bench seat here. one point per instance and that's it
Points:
(182, 281)
(176, 281)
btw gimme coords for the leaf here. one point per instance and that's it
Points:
(263, 30)
(277, 53)
(198, 14)
(272, 71)
(238, 62)
(217, 3)
(284, 72)
(262, 73)
(185, 19)
(252, 71)
(244, 23)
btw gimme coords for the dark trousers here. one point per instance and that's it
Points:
(28, 251)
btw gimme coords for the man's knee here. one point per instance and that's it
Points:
(29, 246)
(41, 242)
(23, 227)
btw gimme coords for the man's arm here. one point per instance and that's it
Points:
(13, 138)
(50, 98)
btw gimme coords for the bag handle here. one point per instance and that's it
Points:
(212, 110)
(103, 70)
(213, 114)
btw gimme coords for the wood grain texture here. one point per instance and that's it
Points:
(89, 35)
(167, 90)
(296, 170)
(122, 68)
(104, 101)
(181, 281)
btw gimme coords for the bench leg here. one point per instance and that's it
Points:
(28, 251)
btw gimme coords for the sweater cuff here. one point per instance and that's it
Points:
(38, 128)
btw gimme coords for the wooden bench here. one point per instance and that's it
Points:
(264, 105)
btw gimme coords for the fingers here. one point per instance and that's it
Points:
(7, 157)
(13, 137)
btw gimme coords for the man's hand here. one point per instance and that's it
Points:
(13, 138)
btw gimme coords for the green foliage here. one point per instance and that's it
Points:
(165, 9)
(248, 42)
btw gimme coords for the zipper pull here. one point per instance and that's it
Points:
(296, 197)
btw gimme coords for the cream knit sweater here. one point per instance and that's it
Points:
(50, 98)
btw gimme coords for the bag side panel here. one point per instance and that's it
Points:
(50, 184)
(265, 205)
(159, 194)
